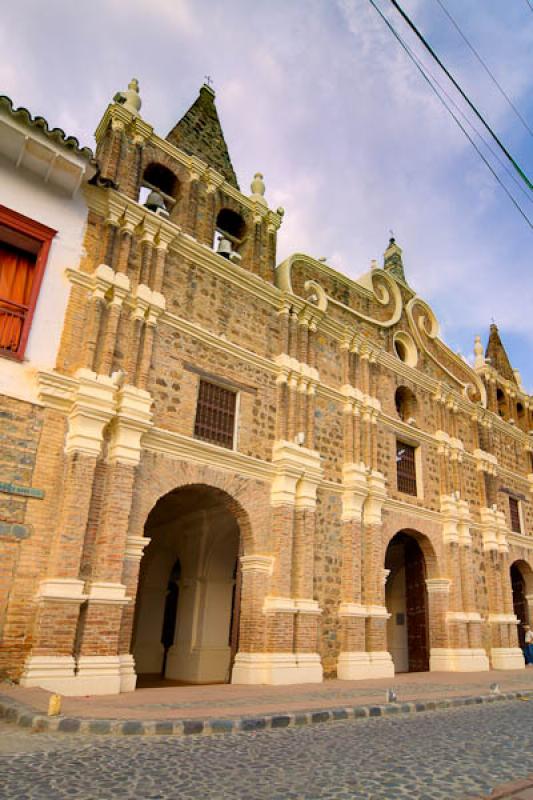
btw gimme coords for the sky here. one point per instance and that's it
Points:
(319, 97)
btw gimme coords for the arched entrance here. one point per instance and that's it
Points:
(407, 604)
(186, 615)
(521, 580)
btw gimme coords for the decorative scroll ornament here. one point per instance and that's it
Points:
(425, 325)
(384, 288)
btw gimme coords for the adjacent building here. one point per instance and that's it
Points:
(220, 468)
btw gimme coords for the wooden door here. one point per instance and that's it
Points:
(519, 602)
(235, 615)
(416, 607)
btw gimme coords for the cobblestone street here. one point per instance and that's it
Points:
(448, 755)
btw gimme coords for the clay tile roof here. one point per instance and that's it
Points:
(199, 133)
(56, 135)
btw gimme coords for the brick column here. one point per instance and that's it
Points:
(440, 655)
(353, 662)
(51, 662)
(112, 153)
(253, 664)
(135, 546)
(505, 654)
(363, 615)
(147, 254)
(120, 289)
(99, 665)
(468, 583)
(280, 605)
(302, 590)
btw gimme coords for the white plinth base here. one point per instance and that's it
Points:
(98, 675)
(456, 659)
(200, 665)
(95, 674)
(309, 667)
(277, 669)
(55, 673)
(358, 666)
(507, 658)
(128, 676)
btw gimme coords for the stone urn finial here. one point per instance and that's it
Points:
(258, 189)
(479, 358)
(130, 99)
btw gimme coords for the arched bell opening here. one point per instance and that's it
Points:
(407, 603)
(501, 400)
(230, 234)
(522, 585)
(187, 609)
(159, 189)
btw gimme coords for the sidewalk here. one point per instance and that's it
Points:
(181, 708)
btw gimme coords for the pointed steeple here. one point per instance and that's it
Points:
(393, 261)
(199, 133)
(497, 357)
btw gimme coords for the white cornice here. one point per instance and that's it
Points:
(183, 447)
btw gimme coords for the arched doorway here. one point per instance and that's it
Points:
(521, 578)
(407, 604)
(186, 615)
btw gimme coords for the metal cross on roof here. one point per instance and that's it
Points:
(208, 80)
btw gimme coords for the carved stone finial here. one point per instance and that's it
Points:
(479, 360)
(130, 99)
(258, 189)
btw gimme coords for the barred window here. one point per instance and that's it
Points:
(215, 414)
(405, 468)
(514, 508)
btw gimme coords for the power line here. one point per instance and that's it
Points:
(463, 95)
(444, 103)
(471, 125)
(530, 5)
(485, 67)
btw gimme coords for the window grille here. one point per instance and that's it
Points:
(514, 508)
(215, 414)
(406, 468)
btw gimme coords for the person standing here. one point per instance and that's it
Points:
(528, 645)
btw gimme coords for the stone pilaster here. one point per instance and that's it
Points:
(99, 632)
(135, 546)
(505, 654)
(60, 595)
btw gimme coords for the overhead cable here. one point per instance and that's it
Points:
(422, 71)
(472, 127)
(485, 67)
(461, 92)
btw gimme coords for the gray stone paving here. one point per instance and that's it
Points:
(446, 755)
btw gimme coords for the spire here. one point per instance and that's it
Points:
(199, 133)
(393, 262)
(497, 357)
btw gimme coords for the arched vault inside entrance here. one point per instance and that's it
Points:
(406, 601)
(186, 616)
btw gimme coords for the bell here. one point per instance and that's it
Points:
(224, 247)
(154, 202)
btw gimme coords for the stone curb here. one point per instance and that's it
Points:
(24, 716)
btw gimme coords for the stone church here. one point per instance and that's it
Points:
(215, 467)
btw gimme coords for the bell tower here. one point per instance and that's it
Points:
(188, 179)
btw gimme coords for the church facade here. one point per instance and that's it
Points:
(248, 471)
